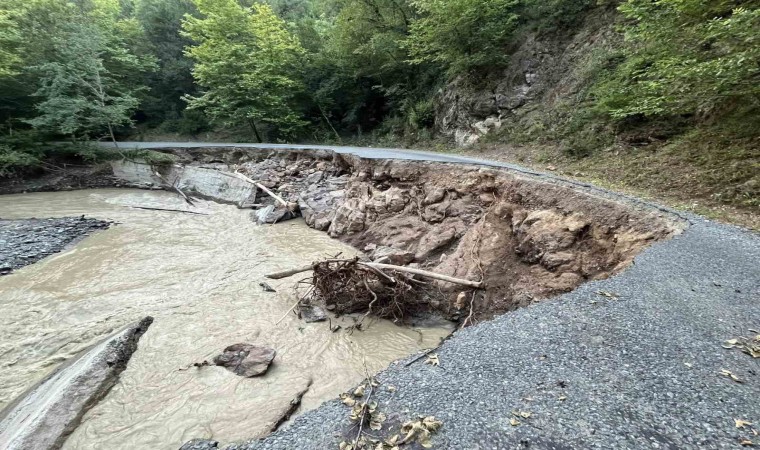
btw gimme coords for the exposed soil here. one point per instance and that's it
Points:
(27, 241)
(697, 180)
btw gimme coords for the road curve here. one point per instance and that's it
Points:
(637, 372)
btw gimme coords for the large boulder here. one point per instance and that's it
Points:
(246, 360)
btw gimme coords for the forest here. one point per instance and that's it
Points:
(335, 70)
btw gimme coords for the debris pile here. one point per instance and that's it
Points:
(348, 286)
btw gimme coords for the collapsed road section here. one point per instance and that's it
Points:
(525, 238)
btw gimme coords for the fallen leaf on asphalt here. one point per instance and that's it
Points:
(608, 294)
(562, 398)
(347, 399)
(750, 346)
(729, 374)
(359, 392)
(391, 388)
(376, 420)
(433, 360)
(731, 343)
(393, 440)
(523, 414)
(514, 422)
(746, 443)
(420, 430)
(345, 446)
(741, 423)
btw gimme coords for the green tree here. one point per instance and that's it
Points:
(9, 42)
(685, 57)
(247, 63)
(462, 35)
(161, 21)
(82, 91)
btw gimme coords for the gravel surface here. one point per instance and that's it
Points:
(27, 241)
(638, 371)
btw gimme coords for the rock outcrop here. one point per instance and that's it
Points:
(545, 72)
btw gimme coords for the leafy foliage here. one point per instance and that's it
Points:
(462, 35)
(685, 57)
(161, 22)
(81, 96)
(247, 62)
(9, 41)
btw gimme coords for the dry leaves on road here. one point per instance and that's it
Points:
(750, 346)
(433, 360)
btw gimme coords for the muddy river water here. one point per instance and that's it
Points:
(199, 276)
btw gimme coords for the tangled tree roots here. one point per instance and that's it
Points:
(347, 286)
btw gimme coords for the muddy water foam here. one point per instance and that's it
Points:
(198, 276)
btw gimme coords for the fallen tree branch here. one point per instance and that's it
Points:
(262, 187)
(427, 274)
(177, 189)
(292, 408)
(366, 403)
(171, 210)
(294, 305)
(423, 273)
(289, 272)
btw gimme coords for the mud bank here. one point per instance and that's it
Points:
(27, 241)
(527, 238)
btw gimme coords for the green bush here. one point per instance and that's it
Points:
(13, 161)
(684, 57)
(462, 35)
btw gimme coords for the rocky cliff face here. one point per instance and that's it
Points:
(544, 70)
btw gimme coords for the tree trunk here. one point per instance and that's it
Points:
(328, 121)
(255, 130)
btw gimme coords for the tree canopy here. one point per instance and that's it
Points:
(317, 69)
(247, 63)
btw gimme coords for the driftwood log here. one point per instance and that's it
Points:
(379, 266)
(170, 210)
(279, 199)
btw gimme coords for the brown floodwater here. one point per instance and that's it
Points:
(198, 276)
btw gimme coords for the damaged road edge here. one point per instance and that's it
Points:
(44, 416)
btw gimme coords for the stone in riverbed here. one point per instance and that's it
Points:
(311, 313)
(200, 444)
(246, 360)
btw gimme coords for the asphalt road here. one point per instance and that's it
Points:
(637, 372)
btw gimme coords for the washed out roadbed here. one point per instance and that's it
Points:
(634, 361)
(27, 241)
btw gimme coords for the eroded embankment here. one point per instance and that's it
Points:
(526, 238)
